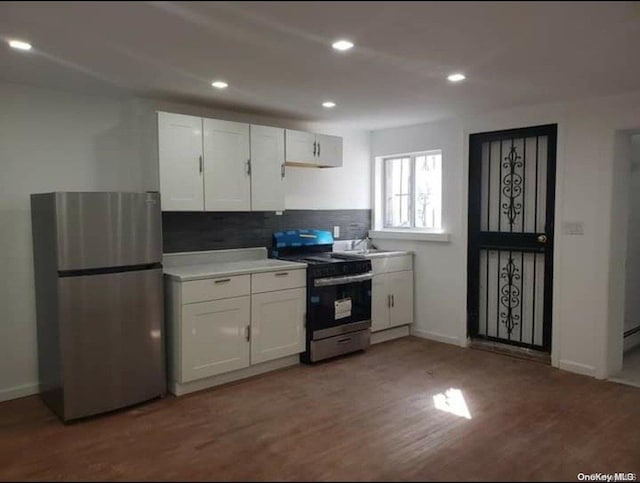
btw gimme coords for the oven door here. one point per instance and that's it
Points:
(339, 304)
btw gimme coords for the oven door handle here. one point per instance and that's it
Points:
(326, 282)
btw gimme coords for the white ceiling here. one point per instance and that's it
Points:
(278, 60)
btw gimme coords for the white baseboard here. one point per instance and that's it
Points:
(19, 391)
(389, 334)
(181, 389)
(577, 367)
(631, 342)
(425, 334)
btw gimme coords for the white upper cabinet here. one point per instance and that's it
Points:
(227, 166)
(180, 162)
(215, 165)
(267, 168)
(329, 149)
(309, 149)
(300, 147)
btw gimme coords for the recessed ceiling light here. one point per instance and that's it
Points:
(328, 104)
(19, 44)
(342, 44)
(220, 84)
(457, 77)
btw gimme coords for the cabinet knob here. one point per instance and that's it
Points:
(542, 238)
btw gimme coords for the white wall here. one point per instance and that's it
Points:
(52, 140)
(632, 287)
(581, 328)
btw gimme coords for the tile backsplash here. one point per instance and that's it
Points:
(194, 231)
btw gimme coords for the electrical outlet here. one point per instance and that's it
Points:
(336, 231)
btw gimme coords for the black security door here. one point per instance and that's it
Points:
(511, 224)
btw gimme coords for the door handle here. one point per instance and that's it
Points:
(542, 238)
(282, 168)
(318, 149)
(393, 301)
(314, 148)
(248, 333)
(248, 167)
(200, 158)
(389, 300)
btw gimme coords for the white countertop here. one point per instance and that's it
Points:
(201, 271)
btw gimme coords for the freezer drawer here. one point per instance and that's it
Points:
(112, 341)
(107, 229)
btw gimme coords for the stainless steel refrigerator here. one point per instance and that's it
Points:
(99, 300)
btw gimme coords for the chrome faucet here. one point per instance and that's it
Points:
(366, 240)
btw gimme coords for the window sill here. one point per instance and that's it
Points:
(409, 235)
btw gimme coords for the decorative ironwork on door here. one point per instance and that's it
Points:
(511, 219)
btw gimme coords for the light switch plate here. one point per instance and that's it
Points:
(573, 228)
(336, 231)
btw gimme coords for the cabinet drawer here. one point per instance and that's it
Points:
(392, 264)
(281, 280)
(215, 288)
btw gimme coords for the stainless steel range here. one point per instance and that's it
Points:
(338, 293)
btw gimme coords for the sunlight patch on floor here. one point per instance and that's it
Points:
(452, 401)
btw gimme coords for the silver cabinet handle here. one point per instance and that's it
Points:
(248, 167)
(282, 171)
(200, 164)
(248, 333)
(222, 280)
(282, 274)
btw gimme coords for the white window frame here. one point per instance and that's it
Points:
(412, 208)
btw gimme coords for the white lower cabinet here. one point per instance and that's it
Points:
(401, 290)
(230, 327)
(380, 302)
(391, 293)
(277, 324)
(215, 337)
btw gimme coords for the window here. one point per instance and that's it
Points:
(412, 190)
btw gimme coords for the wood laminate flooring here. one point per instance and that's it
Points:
(368, 416)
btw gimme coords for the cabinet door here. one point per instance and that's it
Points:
(277, 324)
(300, 147)
(180, 162)
(401, 289)
(214, 337)
(226, 166)
(380, 301)
(329, 150)
(267, 168)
